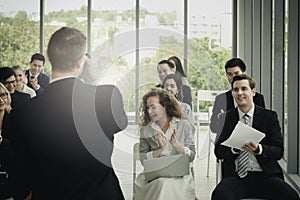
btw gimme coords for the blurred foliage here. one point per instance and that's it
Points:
(19, 39)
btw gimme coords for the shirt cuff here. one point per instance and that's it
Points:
(235, 150)
(187, 151)
(260, 148)
(149, 155)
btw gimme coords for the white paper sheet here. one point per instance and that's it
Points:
(243, 134)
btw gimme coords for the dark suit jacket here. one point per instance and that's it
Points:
(43, 81)
(18, 98)
(225, 102)
(63, 142)
(265, 121)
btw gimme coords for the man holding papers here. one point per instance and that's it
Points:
(251, 169)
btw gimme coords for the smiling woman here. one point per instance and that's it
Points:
(163, 132)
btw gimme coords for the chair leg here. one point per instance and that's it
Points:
(208, 155)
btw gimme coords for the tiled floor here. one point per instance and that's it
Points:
(123, 163)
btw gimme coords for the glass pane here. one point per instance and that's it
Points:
(161, 36)
(209, 45)
(19, 32)
(113, 47)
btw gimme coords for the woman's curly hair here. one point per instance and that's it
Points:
(166, 99)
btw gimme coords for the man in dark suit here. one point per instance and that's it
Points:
(8, 79)
(37, 80)
(63, 139)
(225, 101)
(258, 174)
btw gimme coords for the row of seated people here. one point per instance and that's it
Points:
(251, 170)
(16, 87)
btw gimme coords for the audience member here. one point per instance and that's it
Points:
(225, 101)
(163, 132)
(66, 152)
(185, 83)
(8, 79)
(37, 80)
(252, 170)
(166, 67)
(5, 147)
(173, 84)
(22, 81)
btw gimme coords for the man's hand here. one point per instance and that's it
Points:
(34, 82)
(221, 111)
(251, 147)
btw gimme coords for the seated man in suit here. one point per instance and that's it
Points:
(254, 170)
(37, 80)
(8, 79)
(225, 101)
(67, 153)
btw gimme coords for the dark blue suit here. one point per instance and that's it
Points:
(267, 184)
(64, 141)
(43, 81)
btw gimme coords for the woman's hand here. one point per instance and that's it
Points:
(173, 137)
(177, 145)
(162, 142)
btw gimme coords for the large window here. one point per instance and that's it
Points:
(19, 31)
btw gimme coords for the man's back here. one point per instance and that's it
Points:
(65, 140)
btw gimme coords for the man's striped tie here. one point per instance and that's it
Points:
(243, 158)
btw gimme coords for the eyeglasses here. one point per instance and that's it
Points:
(10, 82)
(3, 95)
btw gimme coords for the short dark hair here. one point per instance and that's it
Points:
(5, 73)
(239, 77)
(66, 46)
(166, 62)
(233, 62)
(37, 56)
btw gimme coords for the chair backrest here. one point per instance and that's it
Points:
(136, 157)
(208, 95)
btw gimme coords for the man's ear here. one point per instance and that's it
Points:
(81, 61)
(245, 72)
(254, 91)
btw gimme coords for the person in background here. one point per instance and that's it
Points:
(66, 153)
(253, 169)
(8, 79)
(36, 79)
(22, 81)
(225, 101)
(173, 84)
(165, 68)
(163, 132)
(5, 145)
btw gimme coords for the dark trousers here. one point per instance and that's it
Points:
(255, 184)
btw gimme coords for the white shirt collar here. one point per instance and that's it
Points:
(250, 112)
(60, 78)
